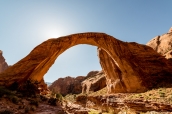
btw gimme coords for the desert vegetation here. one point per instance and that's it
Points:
(25, 99)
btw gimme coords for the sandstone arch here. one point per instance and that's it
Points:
(139, 67)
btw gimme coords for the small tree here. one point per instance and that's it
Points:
(29, 88)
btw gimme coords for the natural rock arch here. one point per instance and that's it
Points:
(130, 59)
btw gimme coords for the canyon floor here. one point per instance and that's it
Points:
(156, 101)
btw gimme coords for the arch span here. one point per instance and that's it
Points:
(122, 61)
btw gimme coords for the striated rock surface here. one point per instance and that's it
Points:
(114, 77)
(140, 67)
(3, 64)
(117, 103)
(67, 85)
(162, 44)
(94, 81)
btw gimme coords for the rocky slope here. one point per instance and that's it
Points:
(3, 64)
(139, 67)
(67, 85)
(162, 44)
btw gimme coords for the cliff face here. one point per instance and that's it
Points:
(139, 67)
(3, 64)
(67, 85)
(162, 44)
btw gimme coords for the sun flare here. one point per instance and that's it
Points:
(54, 33)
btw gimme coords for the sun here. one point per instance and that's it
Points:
(53, 33)
(48, 32)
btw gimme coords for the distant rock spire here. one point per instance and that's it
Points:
(1, 52)
(170, 31)
(3, 64)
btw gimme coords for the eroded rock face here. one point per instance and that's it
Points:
(3, 64)
(162, 44)
(67, 85)
(140, 67)
(114, 79)
(94, 81)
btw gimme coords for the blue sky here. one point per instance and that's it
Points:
(26, 23)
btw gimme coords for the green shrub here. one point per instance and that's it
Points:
(29, 88)
(43, 98)
(59, 97)
(15, 100)
(4, 91)
(70, 97)
(21, 107)
(32, 108)
(14, 86)
(27, 109)
(6, 112)
(162, 94)
(52, 101)
(34, 102)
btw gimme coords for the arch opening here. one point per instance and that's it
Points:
(75, 61)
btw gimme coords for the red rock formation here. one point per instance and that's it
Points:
(94, 81)
(67, 85)
(141, 68)
(114, 79)
(162, 44)
(3, 64)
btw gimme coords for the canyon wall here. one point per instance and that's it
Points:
(67, 85)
